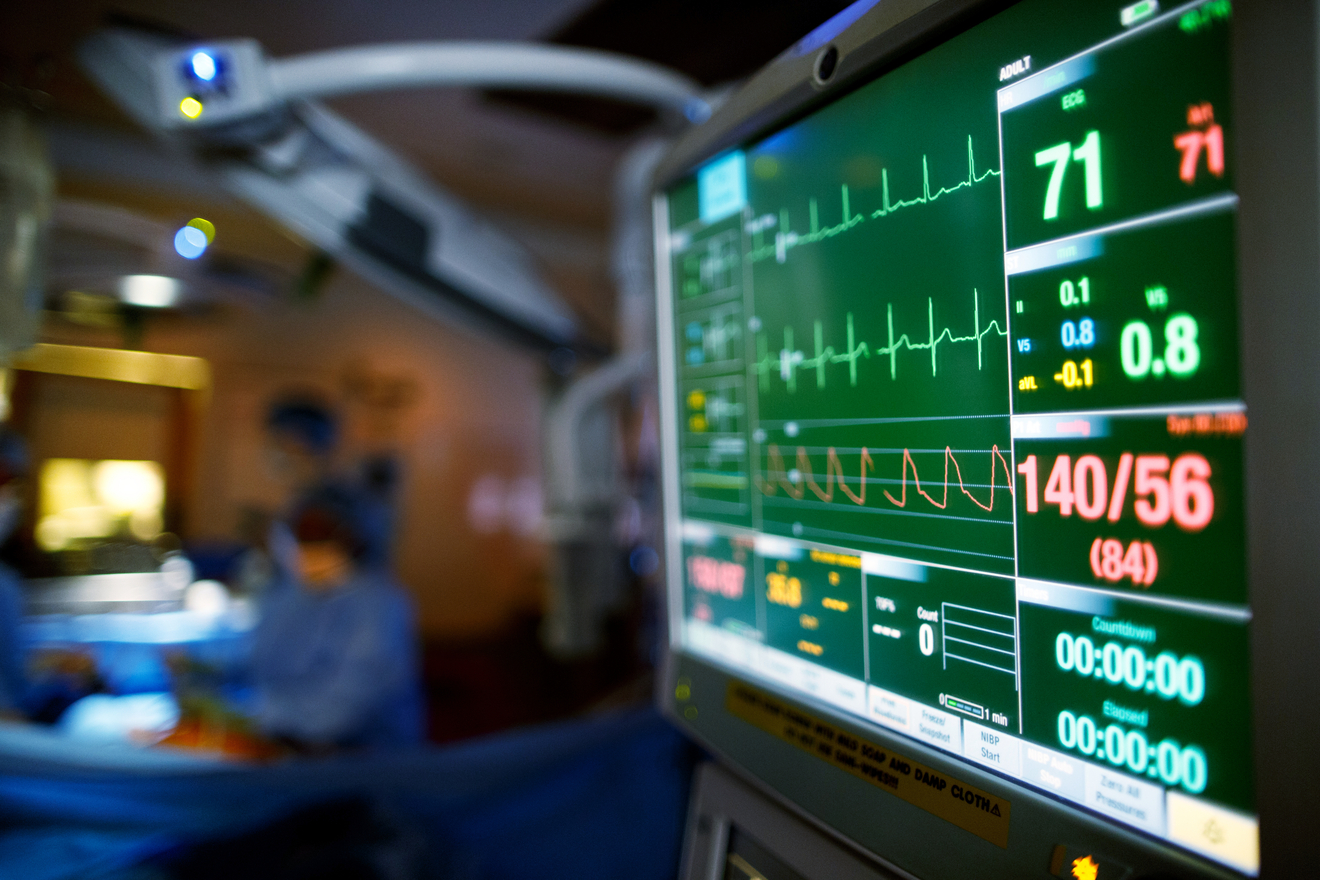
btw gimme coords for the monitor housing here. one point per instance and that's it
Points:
(971, 558)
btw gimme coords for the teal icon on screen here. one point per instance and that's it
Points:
(722, 187)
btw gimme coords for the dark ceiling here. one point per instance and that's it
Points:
(541, 166)
(712, 42)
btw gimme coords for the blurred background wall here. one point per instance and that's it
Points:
(460, 411)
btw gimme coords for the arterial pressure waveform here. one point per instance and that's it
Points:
(956, 408)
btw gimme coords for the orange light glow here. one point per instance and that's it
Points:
(1085, 868)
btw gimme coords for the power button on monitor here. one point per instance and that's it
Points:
(1080, 863)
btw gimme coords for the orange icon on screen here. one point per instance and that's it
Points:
(1085, 868)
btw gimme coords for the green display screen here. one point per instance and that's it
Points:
(954, 399)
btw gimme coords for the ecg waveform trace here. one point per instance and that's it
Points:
(778, 477)
(789, 361)
(785, 239)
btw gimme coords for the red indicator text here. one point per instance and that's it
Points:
(1161, 490)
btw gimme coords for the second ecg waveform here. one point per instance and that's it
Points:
(789, 360)
(801, 478)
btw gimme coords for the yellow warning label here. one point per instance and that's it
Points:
(969, 808)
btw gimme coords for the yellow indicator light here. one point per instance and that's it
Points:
(190, 107)
(206, 227)
(1085, 868)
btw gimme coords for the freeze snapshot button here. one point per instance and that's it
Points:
(938, 728)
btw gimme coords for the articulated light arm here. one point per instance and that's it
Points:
(317, 174)
(486, 65)
(206, 85)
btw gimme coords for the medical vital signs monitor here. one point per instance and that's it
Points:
(961, 388)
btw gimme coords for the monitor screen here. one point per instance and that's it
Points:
(951, 374)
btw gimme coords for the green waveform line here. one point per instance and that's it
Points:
(789, 361)
(785, 239)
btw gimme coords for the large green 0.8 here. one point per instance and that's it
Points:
(1181, 356)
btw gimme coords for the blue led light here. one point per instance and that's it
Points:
(190, 242)
(643, 561)
(203, 66)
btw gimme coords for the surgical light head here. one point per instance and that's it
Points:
(211, 86)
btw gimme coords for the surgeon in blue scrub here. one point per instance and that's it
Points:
(302, 438)
(336, 663)
(302, 433)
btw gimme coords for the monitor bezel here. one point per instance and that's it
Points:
(722, 806)
(1277, 150)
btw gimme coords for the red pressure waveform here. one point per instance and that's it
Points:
(834, 477)
(807, 480)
